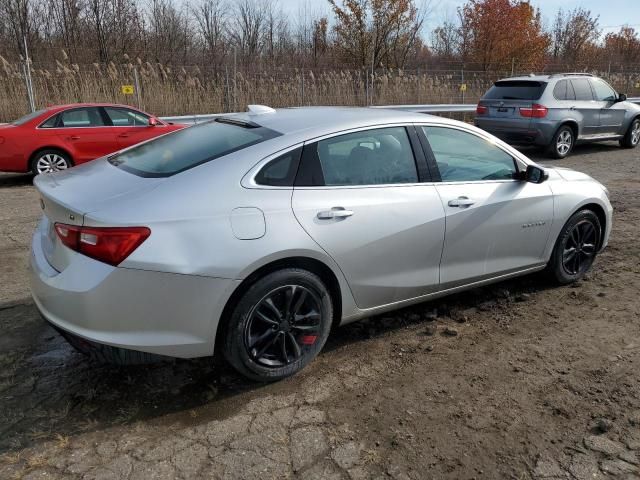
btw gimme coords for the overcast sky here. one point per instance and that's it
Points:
(613, 13)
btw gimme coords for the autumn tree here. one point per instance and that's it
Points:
(378, 32)
(445, 40)
(495, 33)
(574, 36)
(623, 47)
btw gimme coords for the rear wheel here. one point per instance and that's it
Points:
(576, 247)
(562, 142)
(49, 161)
(279, 325)
(632, 137)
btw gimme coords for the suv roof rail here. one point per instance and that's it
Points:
(582, 74)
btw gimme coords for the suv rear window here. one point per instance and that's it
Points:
(189, 147)
(515, 90)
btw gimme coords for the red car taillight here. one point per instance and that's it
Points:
(535, 111)
(481, 110)
(107, 244)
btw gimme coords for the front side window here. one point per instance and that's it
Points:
(81, 117)
(370, 157)
(582, 89)
(189, 147)
(464, 157)
(603, 92)
(123, 117)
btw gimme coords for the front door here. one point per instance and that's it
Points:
(132, 127)
(495, 224)
(611, 112)
(359, 197)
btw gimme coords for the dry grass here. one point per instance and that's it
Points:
(170, 90)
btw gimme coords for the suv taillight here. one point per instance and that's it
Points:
(534, 111)
(481, 110)
(106, 244)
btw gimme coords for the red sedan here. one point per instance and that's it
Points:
(60, 137)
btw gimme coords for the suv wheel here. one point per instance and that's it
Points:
(279, 325)
(562, 142)
(632, 137)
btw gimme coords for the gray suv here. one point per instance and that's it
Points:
(557, 111)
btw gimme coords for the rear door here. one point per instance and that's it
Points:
(360, 197)
(85, 133)
(587, 106)
(611, 112)
(495, 224)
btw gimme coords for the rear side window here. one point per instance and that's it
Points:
(189, 147)
(582, 89)
(280, 172)
(370, 157)
(81, 117)
(564, 91)
(515, 90)
(28, 117)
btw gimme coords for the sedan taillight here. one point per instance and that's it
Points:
(481, 110)
(106, 244)
(534, 111)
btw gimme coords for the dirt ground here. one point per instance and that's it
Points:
(518, 380)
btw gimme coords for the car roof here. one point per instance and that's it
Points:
(52, 108)
(325, 120)
(548, 77)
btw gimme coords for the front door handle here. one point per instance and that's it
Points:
(123, 135)
(74, 137)
(461, 202)
(335, 212)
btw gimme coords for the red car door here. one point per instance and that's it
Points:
(133, 126)
(86, 134)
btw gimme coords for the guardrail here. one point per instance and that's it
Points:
(435, 108)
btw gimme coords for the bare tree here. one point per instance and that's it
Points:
(211, 23)
(246, 28)
(573, 34)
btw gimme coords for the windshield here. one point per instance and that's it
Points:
(515, 90)
(27, 117)
(187, 148)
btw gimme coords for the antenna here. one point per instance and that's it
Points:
(259, 109)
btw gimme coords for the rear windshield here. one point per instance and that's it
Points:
(27, 117)
(516, 90)
(187, 148)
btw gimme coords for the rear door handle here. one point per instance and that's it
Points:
(335, 212)
(123, 135)
(461, 202)
(74, 137)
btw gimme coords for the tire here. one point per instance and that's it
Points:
(260, 324)
(632, 137)
(581, 230)
(562, 143)
(49, 161)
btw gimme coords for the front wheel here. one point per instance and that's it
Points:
(632, 137)
(49, 161)
(576, 247)
(279, 325)
(562, 142)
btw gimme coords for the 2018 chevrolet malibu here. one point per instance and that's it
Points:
(256, 233)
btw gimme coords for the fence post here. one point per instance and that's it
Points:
(27, 76)
(137, 86)
(462, 83)
(302, 89)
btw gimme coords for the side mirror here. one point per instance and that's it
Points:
(621, 97)
(153, 122)
(535, 174)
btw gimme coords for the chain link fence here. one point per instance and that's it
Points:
(169, 90)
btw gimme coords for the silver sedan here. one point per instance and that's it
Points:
(256, 233)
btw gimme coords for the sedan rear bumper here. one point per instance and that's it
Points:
(160, 313)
